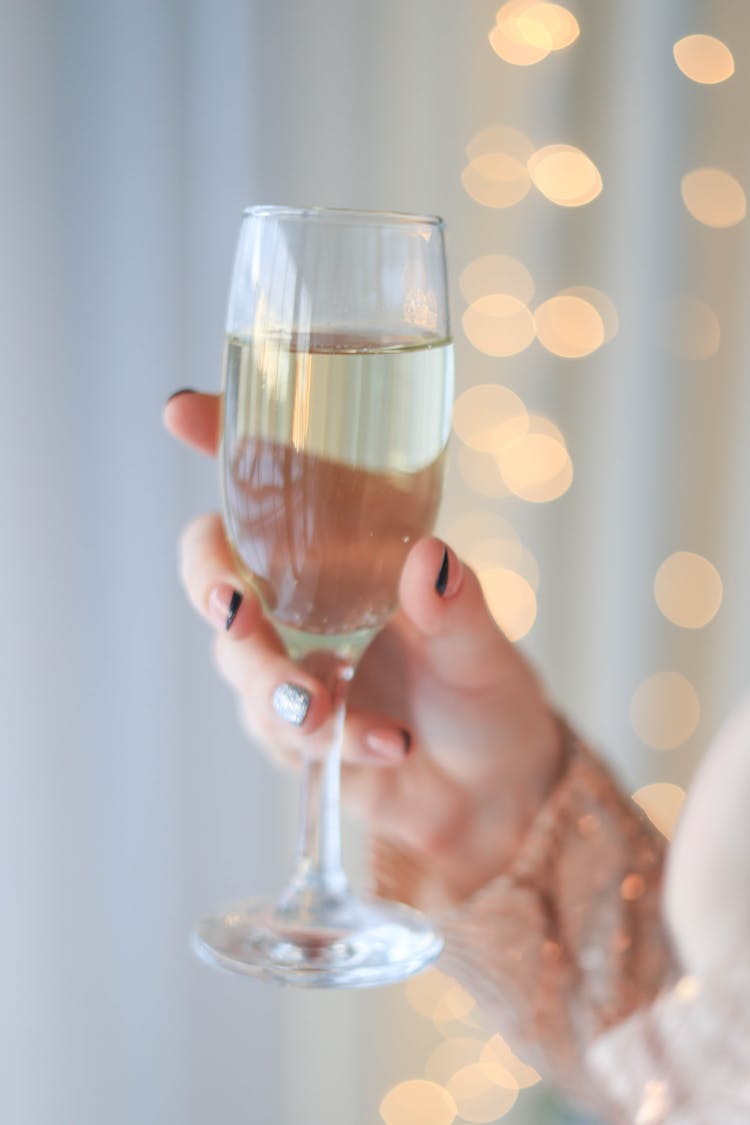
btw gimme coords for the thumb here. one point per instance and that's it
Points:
(443, 601)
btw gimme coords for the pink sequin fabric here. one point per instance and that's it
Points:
(685, 1060)
(569, 942)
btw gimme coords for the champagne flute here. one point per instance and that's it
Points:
(338, 385)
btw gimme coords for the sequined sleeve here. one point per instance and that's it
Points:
(685, 1060)
(569, 941)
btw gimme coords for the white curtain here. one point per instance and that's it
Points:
(133, 133)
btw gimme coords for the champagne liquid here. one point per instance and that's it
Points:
(332, 468)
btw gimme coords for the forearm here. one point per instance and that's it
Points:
(569, 940)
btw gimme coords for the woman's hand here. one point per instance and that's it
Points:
(450, 745)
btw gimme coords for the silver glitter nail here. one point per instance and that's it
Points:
(292, 703)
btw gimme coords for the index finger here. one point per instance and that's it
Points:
(194, 418)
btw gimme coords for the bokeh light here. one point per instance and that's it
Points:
(714, 197)
(510, 599)
(451, 1055)
(690, 328)
(569, 326)
(661, 801)
(704, 59)
(688, 589)
(467, 530)
(418, 1102)
(477, 1098)
(498, 1061)
(507, 552)
(665, 710)
(481, 472)
(500, 138)
(496, 179)
(488, 416)
(499, 325)
(536, 466)
(435, 992)
(603, 304)
(496, 273)
(526, 31)
(565, 175)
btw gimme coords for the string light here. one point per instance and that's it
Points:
(418, 1102)
(704, 59)
(487, 416)
(498, 1061)
(714, 197)
(450, 1055)
(665, 710)
(536, 466)
(527, 31)
(481, 472)
(496, 179)
(688, 589)
(603, 304)
(499, 325)
(496, 273)
(477, 1098)
(661, 801)
(565, 175)
(510, 599)
(569, 326)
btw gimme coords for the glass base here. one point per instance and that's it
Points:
(374, 942)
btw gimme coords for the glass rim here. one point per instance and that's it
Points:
(345, 214)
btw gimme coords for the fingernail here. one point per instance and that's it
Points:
(182, 391)
(224, 603)
(389, 745)
(449, 576)
(291, 702)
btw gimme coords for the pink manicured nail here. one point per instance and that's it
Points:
(389, 745)
(223, 604)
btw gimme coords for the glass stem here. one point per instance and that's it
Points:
(319, 882)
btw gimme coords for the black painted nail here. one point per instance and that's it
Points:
(182, 391)
(406, 735)
(234, 605)
(442, 578)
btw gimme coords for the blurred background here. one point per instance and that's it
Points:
(591, 161)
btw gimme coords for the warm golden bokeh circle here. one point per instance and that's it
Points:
(527, 31)
(418, 1102)
(565, 175)
(451, 1055)
(569, 326)
(498, 1060)
(510, 599)
(688, 589)
(499, 325)
(434, 991)
(603, 304)
(690, 328)
(496, 273)
(714, 197)
(665, 710)
(505, 552)
(500, 138)
(704, 59)
(496, 179)
(661, 801)
(481, 472)
(464, 532)
(488, 416)
(477, 1098)
(536, 466)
